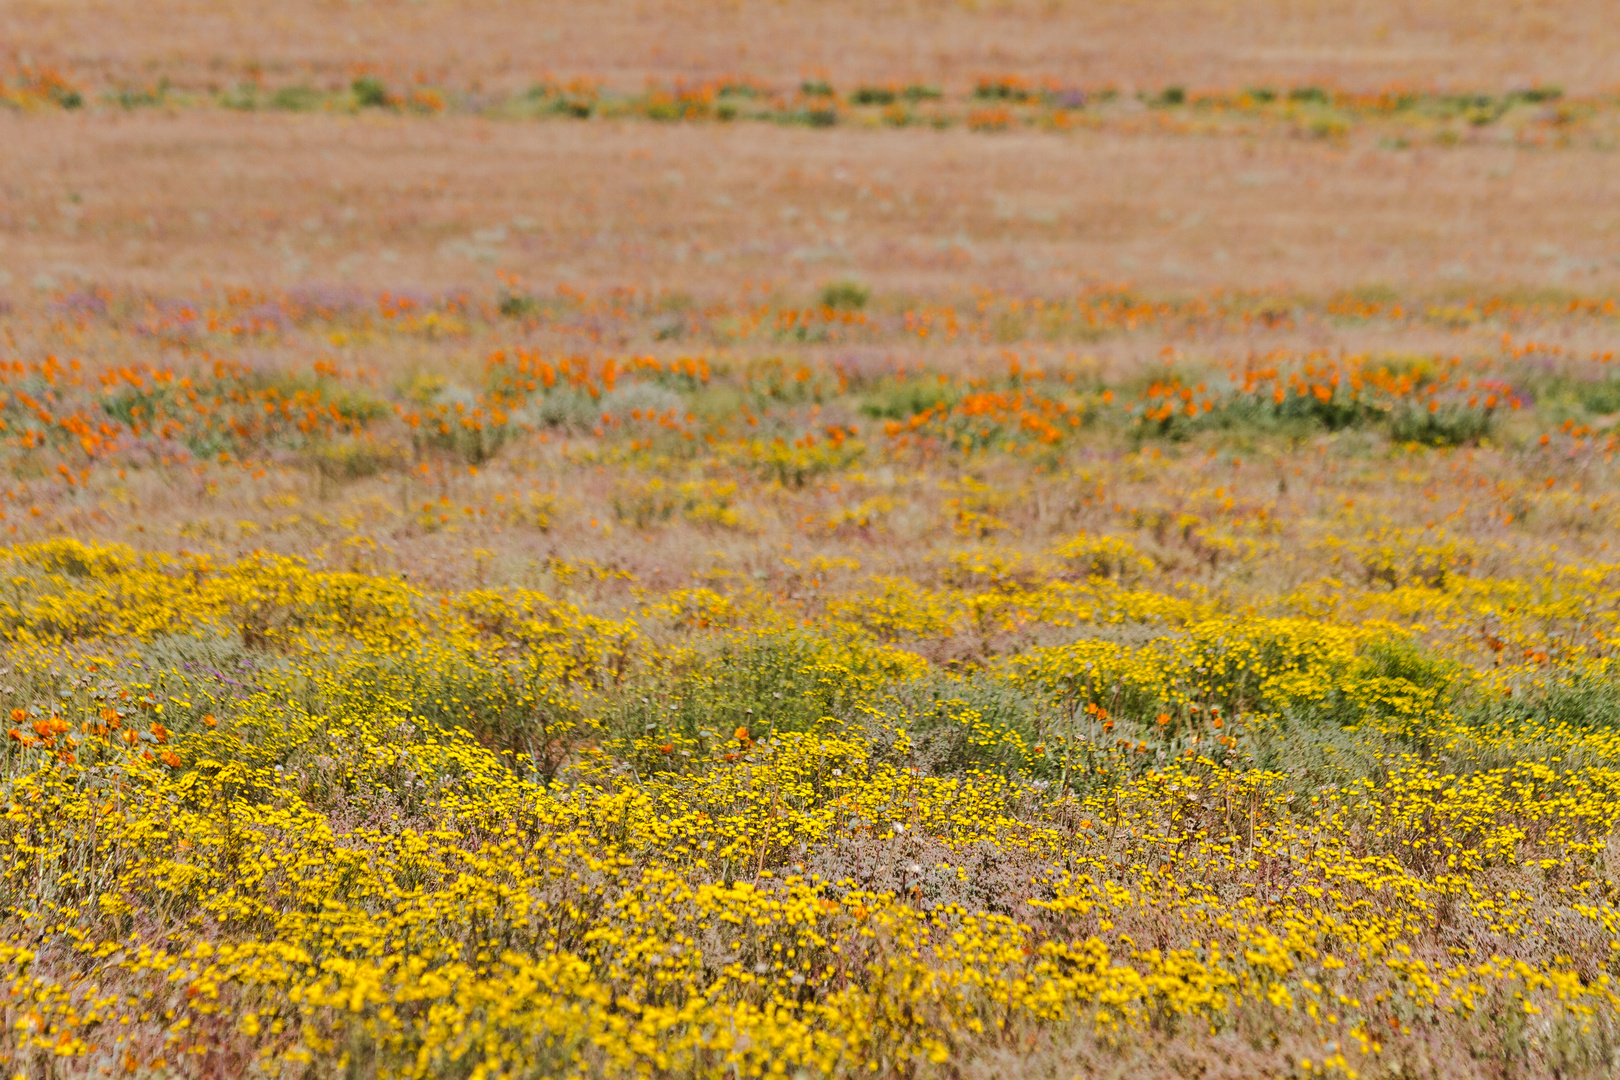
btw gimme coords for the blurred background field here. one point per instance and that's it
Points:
(890, 540)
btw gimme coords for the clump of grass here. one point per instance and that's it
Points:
(300, 98)
(845, 294)
(902, 399)
(517, 305)
(1446, 425)
(354, 457)
(874, 95)
(370, 92)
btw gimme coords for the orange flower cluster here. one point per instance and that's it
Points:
(989, 418)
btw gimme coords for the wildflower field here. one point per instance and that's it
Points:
(667, 560)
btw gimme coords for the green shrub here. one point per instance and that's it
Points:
(845, 294)
(818, 118)
(243, 97)
(136, 98)
(1599, 397)
(352, 458)
(518, 305)
(1449, 425)
(909, 397)
(873, 95)
(765, 683)
(370, 92)
(296, 99)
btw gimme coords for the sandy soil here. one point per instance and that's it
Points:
(167, 203)
(1443, 43)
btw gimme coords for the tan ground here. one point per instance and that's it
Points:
(1442, 43)
(166, 202)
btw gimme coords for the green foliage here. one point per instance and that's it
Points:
(1599, 396)
(243, 97)
(1447, 425)
(845, 295)
(818, 118)
(299, 98)
(767, 683)
(905, 398)
(873, 95)
(141, 97)
(370, 92)
(514, 305)
(352, 458)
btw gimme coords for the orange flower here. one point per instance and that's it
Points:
(18, 716)
(1164, 719)
(160, 733)
(742, 734)
(171, 759)
(210, 721)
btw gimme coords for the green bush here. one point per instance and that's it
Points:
(873, 95)
(1599, 397)
(907, 398)
(845, 294)
(352, 458)
(370, 92)
(1449, 425)
(296, 99)
(518, 305)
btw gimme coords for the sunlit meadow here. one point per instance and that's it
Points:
(793, 615)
